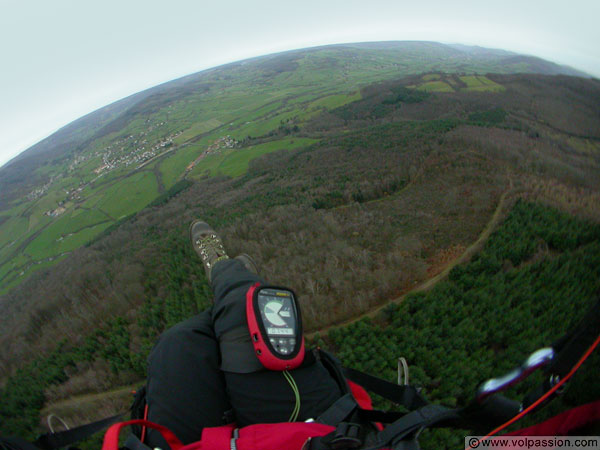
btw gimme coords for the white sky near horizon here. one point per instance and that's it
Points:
(62, 59)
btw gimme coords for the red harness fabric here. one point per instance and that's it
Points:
(269, 436)
(265, 436)
(361, 396)
(564, 423)
(214, 437)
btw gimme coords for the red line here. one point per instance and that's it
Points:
(143, 437)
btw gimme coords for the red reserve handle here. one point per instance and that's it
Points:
(261, 349)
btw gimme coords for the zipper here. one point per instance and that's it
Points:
(236, 435)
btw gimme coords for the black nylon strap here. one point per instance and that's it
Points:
(339, 411)
(52, 441)
(334, 366)
(345, 436)
(413, 421)
(134, 443)
(407, 396)
(15, 443)
(374, 415)
(401, 429)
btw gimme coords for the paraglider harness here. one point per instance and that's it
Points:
(351, 423)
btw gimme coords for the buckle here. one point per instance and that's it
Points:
(346, 435)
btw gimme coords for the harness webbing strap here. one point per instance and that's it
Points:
(133, 443)
(397, 431)
(15, 443)
(413, 421)
(339, 411)
(407, 396)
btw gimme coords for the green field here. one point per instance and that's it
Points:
(431, 77)
(75, 227)
(14, 264)
(174, 166)
(66, 233)
(435, 86)
(262, 127)
(481, 83)
(197, 129)
(234, 162)
(130, 195)
(451, 83)
(12, 229)
(334, 101)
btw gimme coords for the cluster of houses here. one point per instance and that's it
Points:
(222, 142)
(55, 212)
(112, 160)
(38, 192)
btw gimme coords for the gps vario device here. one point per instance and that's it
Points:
(275, 327)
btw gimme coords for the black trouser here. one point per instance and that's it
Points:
(187, 390)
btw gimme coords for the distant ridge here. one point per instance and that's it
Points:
(105, 114)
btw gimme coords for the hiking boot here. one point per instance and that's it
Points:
(207, 244)
(248, 263)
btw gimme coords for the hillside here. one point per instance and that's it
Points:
(350, 173)
(62, 193)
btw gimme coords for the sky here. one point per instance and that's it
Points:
(62, 59)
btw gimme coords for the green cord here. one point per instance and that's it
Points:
(292, 383)
(296, 411)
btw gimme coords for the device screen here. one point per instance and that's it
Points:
(278, 315)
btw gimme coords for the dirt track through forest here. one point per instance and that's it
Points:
(431, 282)
(78, 401)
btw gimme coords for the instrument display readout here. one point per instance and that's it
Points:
(278, 315)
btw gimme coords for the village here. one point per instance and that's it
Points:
(115, 156)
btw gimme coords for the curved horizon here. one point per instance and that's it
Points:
(6, 159)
